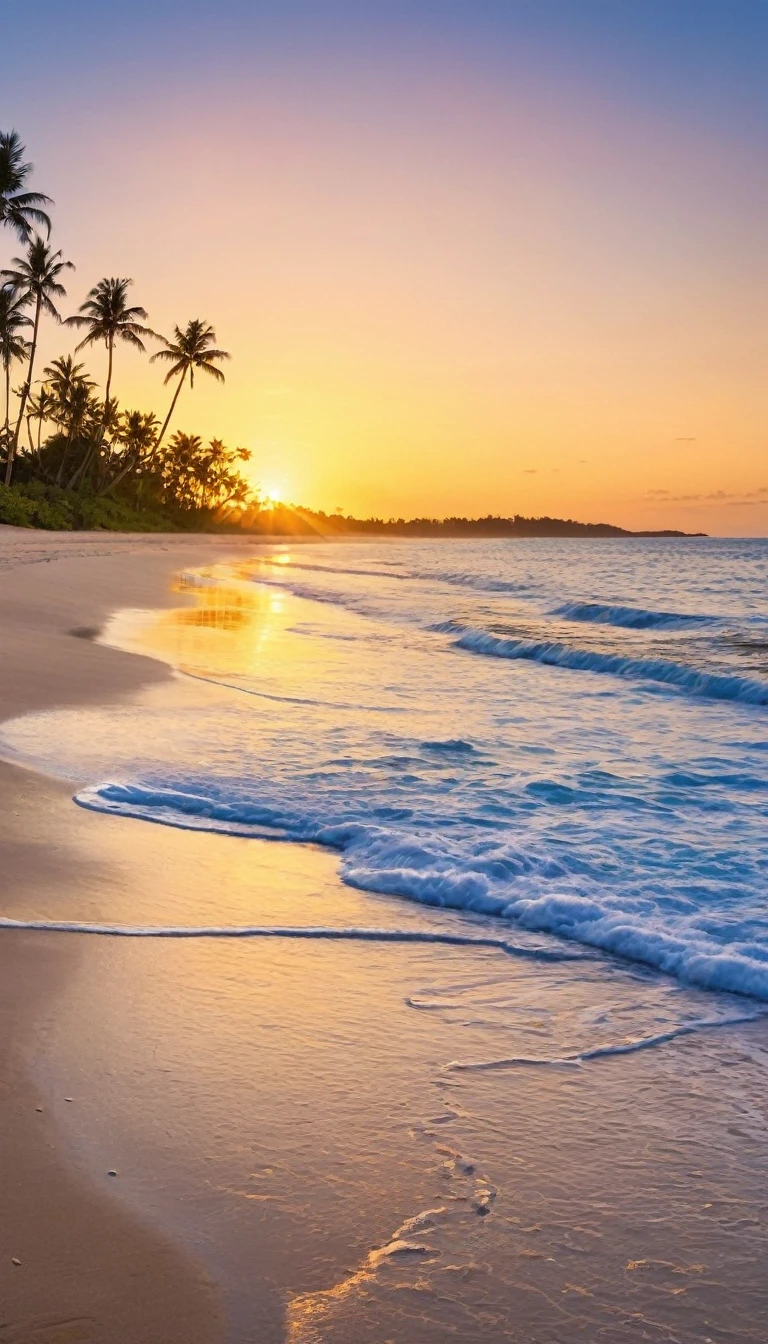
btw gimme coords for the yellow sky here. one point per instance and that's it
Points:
(459, 299)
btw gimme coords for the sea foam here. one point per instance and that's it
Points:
(533, 889)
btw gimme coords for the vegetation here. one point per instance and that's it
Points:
(284, 520)
(71, 455)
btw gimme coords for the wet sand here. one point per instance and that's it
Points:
(74, 1266)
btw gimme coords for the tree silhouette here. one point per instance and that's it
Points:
(193, 350)
(13, 343)
(37, 278)
(19, 210)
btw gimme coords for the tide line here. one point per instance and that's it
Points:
(601, 1051)
(534, 952)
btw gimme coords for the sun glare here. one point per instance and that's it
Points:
(273, 495)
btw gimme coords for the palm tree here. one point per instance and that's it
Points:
(41, 408)
(192, 350)
(13, 345)
(137, 433)
(61, 376)
(19, 210)
(136, 436)
(108, 318)
(36, 276)
(72, 394)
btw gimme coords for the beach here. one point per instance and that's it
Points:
(87, 1270)
(368, 1118)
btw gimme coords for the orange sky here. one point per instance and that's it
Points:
(444, 291)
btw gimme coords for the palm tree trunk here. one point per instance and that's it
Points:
(111, 350)
(7, 397)
(179, 386)
(95, 448)
(113, 484)
(64, 457)
(14, 446)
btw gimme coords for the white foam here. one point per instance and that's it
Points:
(602, 1051)
(329, 934)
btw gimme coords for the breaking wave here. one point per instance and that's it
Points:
(629, 618)
(533, 889)
(711, 685)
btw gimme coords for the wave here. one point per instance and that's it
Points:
(711, 685)
(313, 594)
(477, 582)
(535, 891)
(310, 932)
(603, 1051)
(629, 618)
(457, 579)
(280, 565)
(304, 701)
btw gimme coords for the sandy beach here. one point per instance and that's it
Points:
(87, 1270)
(322, 1140)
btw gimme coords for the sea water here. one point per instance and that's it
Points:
(570, 737)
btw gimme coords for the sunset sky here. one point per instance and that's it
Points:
(472, 256)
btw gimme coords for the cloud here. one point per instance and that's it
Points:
(686, 438)
(530, 471)
(742, 497)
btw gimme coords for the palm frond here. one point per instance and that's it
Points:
(212, 371)
(177, 368)
(167, 352)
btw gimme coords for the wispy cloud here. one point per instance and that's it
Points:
(743, 497)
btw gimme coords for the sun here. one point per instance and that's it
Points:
(273, 495)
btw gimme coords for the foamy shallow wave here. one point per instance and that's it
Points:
(710, 685)
(629, 618)
(630, 1047)
(328, 933)
(532, 888)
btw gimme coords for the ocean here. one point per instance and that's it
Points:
(568, 737)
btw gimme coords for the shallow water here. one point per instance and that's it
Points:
(429, 1101)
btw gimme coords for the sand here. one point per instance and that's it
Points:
(73, 1265)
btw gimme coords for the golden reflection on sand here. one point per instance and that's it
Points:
(226, 628)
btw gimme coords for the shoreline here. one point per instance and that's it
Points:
(75, 1263)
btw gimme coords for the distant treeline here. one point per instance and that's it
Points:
(286, 520)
